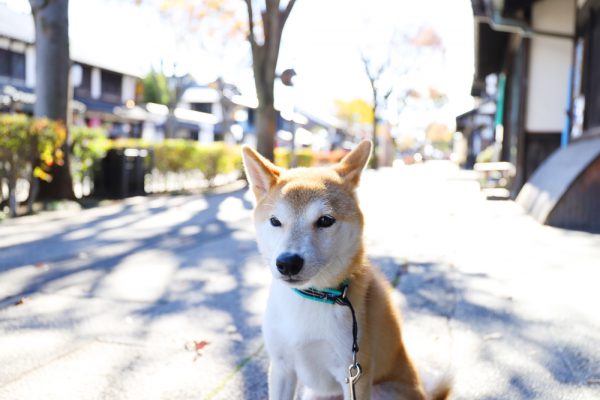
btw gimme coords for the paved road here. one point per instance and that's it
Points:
(162, 297)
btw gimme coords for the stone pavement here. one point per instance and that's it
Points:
(162, 297)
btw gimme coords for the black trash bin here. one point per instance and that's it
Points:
(123, 172)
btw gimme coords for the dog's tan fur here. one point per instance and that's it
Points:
(383, 356)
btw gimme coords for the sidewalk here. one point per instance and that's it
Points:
(162, 297)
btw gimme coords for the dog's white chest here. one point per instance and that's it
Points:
(312, 339)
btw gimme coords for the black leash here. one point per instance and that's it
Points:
(344, 301)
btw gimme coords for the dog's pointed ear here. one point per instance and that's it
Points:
(352, 165)
(261, 173)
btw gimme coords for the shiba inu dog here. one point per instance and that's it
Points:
(327, 308)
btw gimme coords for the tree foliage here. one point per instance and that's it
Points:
(156, 88)
(356, 111)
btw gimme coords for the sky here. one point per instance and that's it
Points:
(321, 42)
(323, 38)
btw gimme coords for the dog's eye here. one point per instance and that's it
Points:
(325, 221)
(275, 221)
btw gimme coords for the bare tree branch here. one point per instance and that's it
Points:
(251, 24)
(388, 93)
(366, 65)
(286, 13)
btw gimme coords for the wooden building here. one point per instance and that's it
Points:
(545, 53)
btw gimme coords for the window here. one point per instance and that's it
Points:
(85, 87)
(202, 107)
(111, 86)
(591, 81)
(12, 65)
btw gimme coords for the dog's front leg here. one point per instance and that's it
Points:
(282, 382)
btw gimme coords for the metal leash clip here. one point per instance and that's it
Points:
(354, 373)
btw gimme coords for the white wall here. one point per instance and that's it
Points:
(127, 88)
(30, 67)
(96, 83)
(549, 63)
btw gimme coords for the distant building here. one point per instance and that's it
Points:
(100, 85)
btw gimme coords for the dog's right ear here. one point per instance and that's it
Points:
(261, 173)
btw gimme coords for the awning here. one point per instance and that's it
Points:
(135, 113)
(98, 106)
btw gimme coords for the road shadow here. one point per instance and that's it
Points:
(433, 289)
(205, 239)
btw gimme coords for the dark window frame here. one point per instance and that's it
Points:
(112, 86)
(85, 88)
(12, 65)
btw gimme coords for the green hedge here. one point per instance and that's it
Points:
(176, 155)
(283, 157)
(170, 155)
(88, 145)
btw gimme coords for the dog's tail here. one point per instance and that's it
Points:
(442, 390)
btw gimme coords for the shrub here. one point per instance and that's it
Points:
(28, 148)
(283, 157)
(329, 157)
(88, 145)
(172, 155)
(488, 154)
(177, 155)
(304, 157)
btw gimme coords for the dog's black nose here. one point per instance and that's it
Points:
(289, 264)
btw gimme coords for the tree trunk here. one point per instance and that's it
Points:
(266, 127)
(52, 89)
(264, 63)
(12, 196)
(374, 161)
(266, 116)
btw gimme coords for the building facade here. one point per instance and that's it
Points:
(546, 54)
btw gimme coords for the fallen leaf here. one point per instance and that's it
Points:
(41, 265)
(200, 345)
(196, 346)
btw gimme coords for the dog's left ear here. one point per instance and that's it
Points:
(262, 174)
(352, 165)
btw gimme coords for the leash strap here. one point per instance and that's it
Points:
(339, 296)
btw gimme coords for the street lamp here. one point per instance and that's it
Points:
(287, 78)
